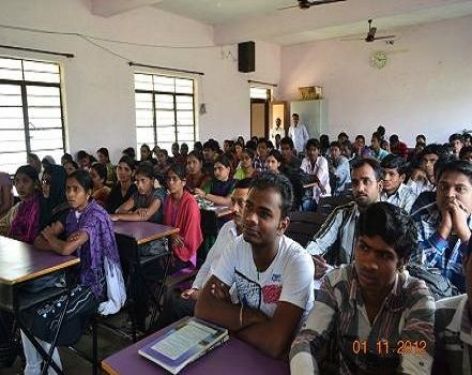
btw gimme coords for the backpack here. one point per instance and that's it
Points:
(9, 348)
(439, 286)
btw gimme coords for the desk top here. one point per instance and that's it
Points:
(220, 211)
(143, 231)
(231, 358)
(20, 262)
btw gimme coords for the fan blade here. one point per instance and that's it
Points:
(314, 3)
(289, 7)
(385, 37)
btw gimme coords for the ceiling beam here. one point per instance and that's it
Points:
(108, 8)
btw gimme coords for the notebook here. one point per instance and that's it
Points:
(183, 342)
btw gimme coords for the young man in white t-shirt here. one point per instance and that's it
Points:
(273, 275)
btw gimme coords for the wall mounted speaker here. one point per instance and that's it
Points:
(247, 57)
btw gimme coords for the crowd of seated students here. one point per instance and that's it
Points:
(409, 207)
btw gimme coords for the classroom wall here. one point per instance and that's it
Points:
(426, 86)
(99, 87)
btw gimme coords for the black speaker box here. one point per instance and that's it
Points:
(247, 57)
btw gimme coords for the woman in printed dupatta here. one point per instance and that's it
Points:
(100, 285)
(22, 220)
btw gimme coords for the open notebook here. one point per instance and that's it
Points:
(183, 342)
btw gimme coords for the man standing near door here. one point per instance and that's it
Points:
(298, 133)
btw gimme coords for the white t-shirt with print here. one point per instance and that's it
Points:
(289, 278)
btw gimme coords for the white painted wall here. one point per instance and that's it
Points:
(426, 86)
(99, 87)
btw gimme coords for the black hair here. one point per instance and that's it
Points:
(394, 138)
(130, 152)
(312, 142)
(251, 145)
(455, 137)
(178, 169)
(82, 154)
(262, 140)
(101, 171)
(392, 161)
(176, 144)
(324, 141)
(183, 145)
(29, 171)
(381, 131)
(295, 115)
(83, 178)
(74, 164)
(270, 145)
(335, 144)
(251, 153)
(33, 156)
(392, 224)
(377, 136)
(347, 144)
(209, 145)
(459, 166)
(146, 146)
(145, 169)
(163, 151)
(128, 161)
(360, 136)
(104, 152)
(241, 139)
(279, 183)
(434, 148)
(197, 146)
(197, 155)
(343, 134)
(276, 155)
(245, 183)
(223, 159)
(287, 141)
(66, 157)
(373, 163)
(464, 150)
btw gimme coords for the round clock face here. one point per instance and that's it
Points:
(379, 59)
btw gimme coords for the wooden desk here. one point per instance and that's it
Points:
(233, 357)
(143, 231)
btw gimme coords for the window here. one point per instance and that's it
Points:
(31, 116)
(165, 110)
(259, 93)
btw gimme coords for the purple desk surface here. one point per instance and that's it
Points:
(143, 231)
(233, 357)
(21, 262)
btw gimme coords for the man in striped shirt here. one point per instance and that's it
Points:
(370, 317)
(453, 329)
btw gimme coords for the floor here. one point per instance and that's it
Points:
(108, 343)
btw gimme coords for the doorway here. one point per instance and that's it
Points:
(260, 104)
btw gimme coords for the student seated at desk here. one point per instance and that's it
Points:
(246, 168)
(101, 191)
(125, 188)
(181, 211)
(195, 176)
(453, 328)
(179, 304)
(372, 305)
(21, 222)
(273, 275)
(219, 189)
(100, 285)
(53, 204)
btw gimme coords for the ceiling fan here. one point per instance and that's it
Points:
(371, 34)
(306, 4)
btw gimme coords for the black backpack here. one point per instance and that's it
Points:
(439, 286)
(8, 344)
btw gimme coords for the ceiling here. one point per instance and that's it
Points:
(240, 20)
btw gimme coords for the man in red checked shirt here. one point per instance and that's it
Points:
(272, 274)
(397, 147)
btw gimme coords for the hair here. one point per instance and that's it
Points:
(197, 146)
(455, 137)
(360, 136)
(464, 150)
(83, 178)
(394, 138)
(335, 144)
(223, 159)
(377, 136)
(130, 152)
(381, 131)
(343, 134)
(209, 145)
(241, 139)
(287, 141)
(421, 136)
(66, 157)
(276, 155)
(347, 144)
(373, 163)
(245, 183)
(262, 140)
(74, 164)
(146, 170)
(48, 160)
(104, 152)
(279, 183)
(392, 161)
(178, 169)
(459, 166)
(392, 224)
(101, 171)
(466, 136)
(176, 144)
(295, 115)
(163, 151)
(251, 145)
(324, 141)
(196, 155)
(33, 156)
(146, 146)
(250, 152)
(128, 161)
(82, 154)
(434, 148)
(29, 171)
(312, 142)
(183, 145)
